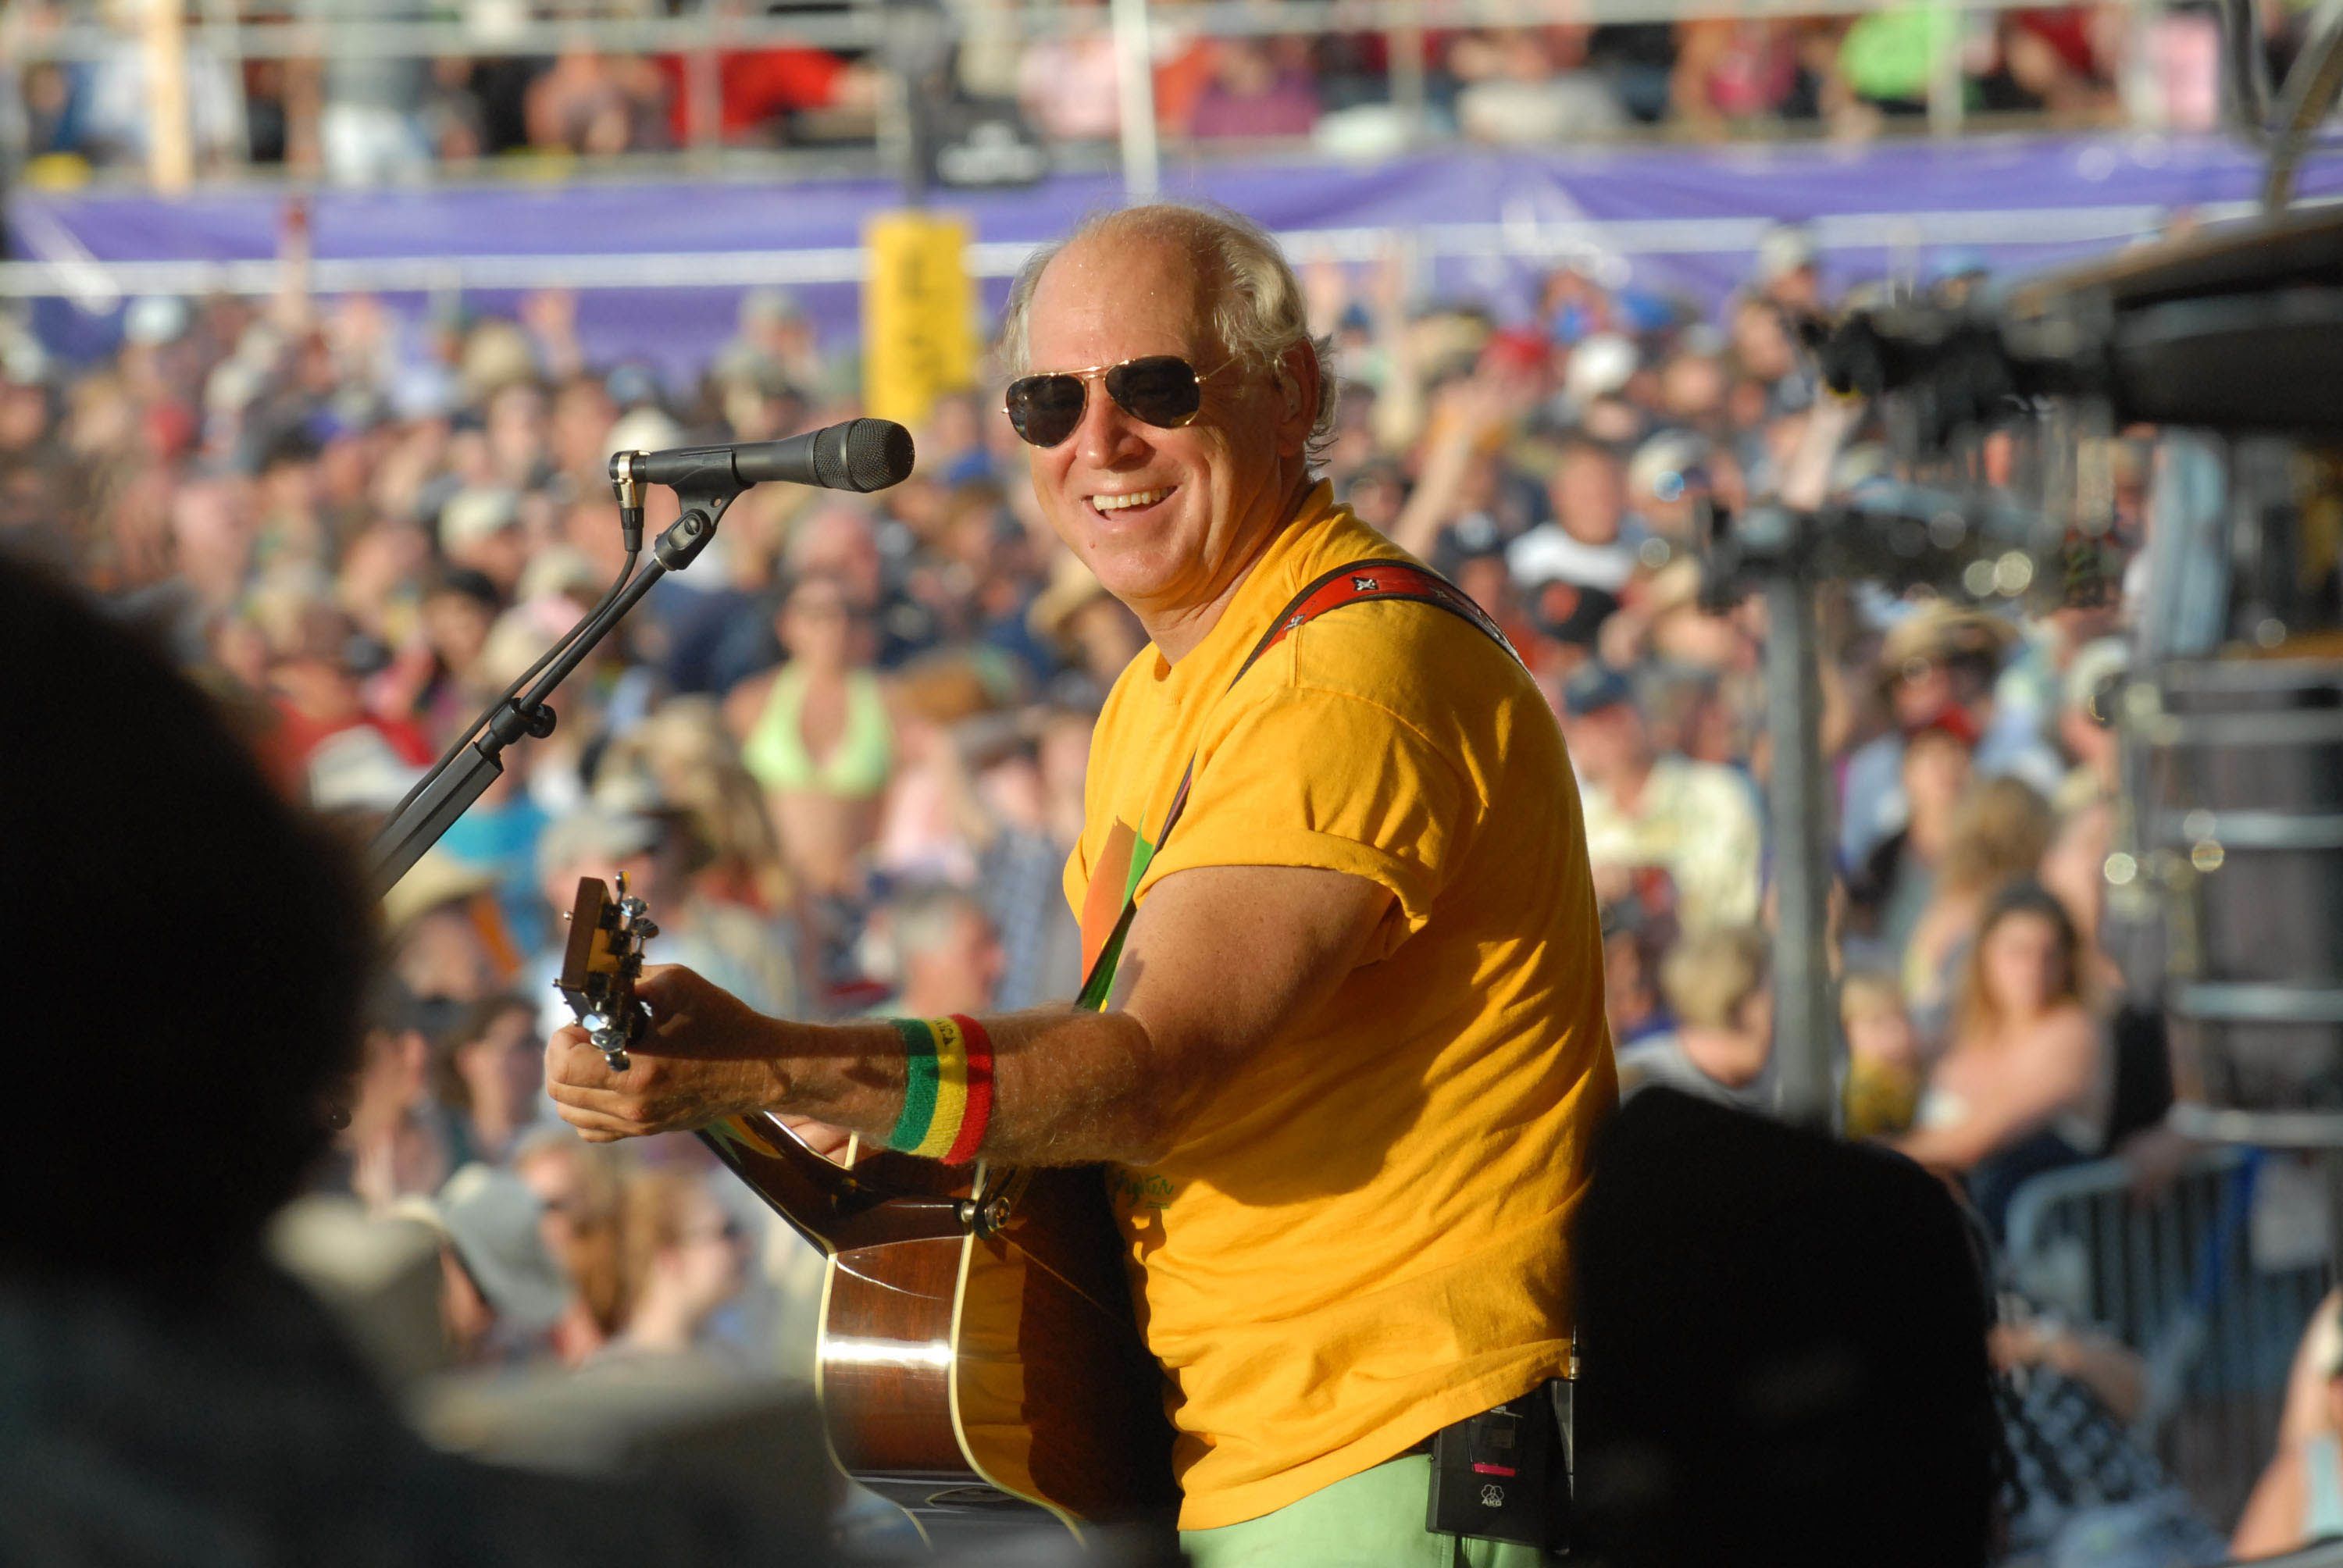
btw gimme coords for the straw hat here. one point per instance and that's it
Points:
(1939, 630)
(1072, 587)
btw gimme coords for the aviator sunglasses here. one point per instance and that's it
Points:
(1158, 390)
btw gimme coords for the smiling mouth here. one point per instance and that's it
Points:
(1128, 505)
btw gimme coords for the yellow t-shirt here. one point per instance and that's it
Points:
(1359, 1239)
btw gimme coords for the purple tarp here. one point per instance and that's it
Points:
(669, 259)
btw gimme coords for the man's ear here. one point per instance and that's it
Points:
(1298, 387)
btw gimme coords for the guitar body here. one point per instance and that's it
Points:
(978, 1364)
(975, 1381)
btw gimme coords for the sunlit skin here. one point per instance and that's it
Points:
(1235, 472)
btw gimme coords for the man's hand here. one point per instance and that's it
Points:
(706, 1056)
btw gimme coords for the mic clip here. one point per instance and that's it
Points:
(704, 494)
(689, 535)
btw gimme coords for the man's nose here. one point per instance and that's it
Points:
(1108, 436)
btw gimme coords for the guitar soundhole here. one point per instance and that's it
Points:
(972, 1497)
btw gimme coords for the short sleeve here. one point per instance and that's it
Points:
(1306, 777)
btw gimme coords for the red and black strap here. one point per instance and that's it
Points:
(1357, 582)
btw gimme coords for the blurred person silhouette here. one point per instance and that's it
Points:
(2080, 1489)
(1636, 939)
(219, 973)
(1785, 1355)
(688, 759)
(445, 932)
(998, 796)
(682, 1258)
(1695, 820)
(460, 608)
(946, 954)
(502, 1289)
(1884, 1063)
(1938, 657)
(2298, 1498)
(1890, 887)
(816, 734)
(394, 1145)
(1999, 835)
(2022, 1086)
(1719, 987)
(1090, 628)
(937, 700)
(489, 1075)
(579, 1188)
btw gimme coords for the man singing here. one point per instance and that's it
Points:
(1347, 1056)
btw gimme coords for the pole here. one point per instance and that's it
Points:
(1404, 57)
(1134, 59)
(1806, 1027)
(1806, 1023)
(170, 144)
(224, 36)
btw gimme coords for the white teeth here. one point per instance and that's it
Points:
(1136, 498)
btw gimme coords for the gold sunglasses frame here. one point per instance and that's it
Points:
(1100, 373)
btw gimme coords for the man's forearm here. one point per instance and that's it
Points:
(1071, 1087)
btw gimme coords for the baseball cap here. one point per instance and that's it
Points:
(1595, 687)
(1570, 612)
(597, 831)
(475, 513)
(492, 1221)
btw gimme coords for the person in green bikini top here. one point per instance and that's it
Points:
(815, 735)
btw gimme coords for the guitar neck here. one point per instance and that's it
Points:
(883, 1198)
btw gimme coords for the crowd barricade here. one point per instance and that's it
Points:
(2174, 1276)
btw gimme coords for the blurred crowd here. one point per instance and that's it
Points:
(374, 116)
(842, 756)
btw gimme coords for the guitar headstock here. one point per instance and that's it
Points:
(600, 964)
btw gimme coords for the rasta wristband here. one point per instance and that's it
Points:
(947, 1088)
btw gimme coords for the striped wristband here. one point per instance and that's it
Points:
(947, 1088)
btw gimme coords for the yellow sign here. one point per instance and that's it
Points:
(918, 315)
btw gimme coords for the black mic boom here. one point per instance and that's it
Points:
(858, 455)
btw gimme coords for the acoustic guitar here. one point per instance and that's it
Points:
(978, 1364)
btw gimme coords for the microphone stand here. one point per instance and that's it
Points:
(459, 778)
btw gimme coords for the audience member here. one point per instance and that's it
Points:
(503, 1291)
(1719, 990)
(1695, 821)
(681, 1258)
(2023, 1084)
(171, 1391)
(2299, 1497)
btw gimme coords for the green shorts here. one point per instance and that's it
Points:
(1371, 1520)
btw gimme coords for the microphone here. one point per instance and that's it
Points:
(858, 455)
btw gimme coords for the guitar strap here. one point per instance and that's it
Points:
(1356, 582)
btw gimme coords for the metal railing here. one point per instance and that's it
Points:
(232, 31)
(2174, 1277)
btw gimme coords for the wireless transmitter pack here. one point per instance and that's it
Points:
(1504, 1475)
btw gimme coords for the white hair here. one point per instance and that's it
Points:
(1258, 313)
